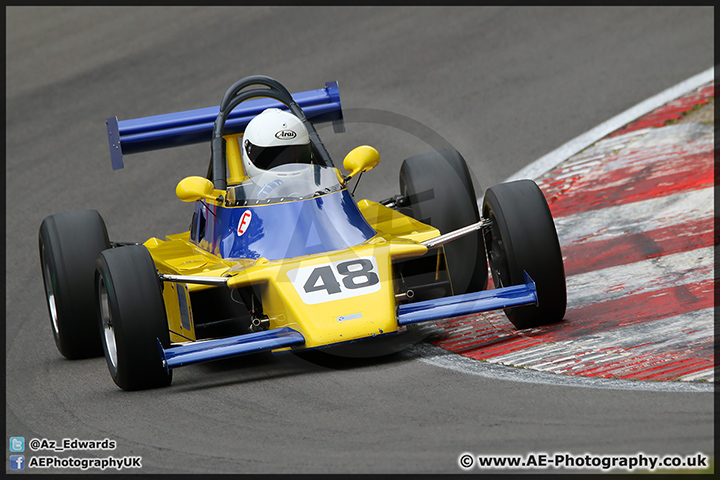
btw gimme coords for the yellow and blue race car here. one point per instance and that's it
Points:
(280, 256)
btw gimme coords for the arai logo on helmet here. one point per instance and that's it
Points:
(285, 135)
(244, 222)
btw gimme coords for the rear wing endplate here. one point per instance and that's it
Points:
(196, 126)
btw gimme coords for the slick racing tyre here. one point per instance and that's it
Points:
(522, 237)
(440, 193)
(69, 244)
(132, 317)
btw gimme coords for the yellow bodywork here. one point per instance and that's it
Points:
(368, 313)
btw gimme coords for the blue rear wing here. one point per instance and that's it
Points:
(196, 126)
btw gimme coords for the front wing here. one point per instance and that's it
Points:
(417, 312)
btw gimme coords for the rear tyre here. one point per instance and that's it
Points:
(521, 237)
(69, 244)
(132, 317)
(441, 194)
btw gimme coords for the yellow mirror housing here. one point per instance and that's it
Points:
(360, 159)
(191, 189)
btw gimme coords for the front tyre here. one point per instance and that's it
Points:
(440, 193)
(521, 237)
(132, 317)
(69, 244)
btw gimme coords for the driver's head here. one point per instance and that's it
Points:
(274, 137)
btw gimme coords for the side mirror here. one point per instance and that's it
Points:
(191, 189)
(360, 159)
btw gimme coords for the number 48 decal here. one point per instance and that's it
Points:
(336, 280)
(355, 274)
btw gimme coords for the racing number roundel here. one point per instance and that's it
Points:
(244, 222)
(336, 280)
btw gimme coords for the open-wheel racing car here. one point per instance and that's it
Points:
(279, 255)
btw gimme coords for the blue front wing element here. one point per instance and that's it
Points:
(410, 313)
(468, 303)
(196, 126)
(229, 347)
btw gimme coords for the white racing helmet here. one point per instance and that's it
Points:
(274, 137)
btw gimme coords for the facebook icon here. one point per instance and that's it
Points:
(17, 462)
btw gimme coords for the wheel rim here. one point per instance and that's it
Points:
(497, 257)
(50, 293)
(107, 323)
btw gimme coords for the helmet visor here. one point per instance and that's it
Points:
(270, 157)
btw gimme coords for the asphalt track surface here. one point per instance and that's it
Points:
(503, 85)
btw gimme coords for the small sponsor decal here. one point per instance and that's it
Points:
(244, 222)
(285, 135)
(353, 316)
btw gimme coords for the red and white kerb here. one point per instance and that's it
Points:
(634, 215)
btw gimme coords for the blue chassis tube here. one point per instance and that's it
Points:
(196, 126)
(425, 311)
